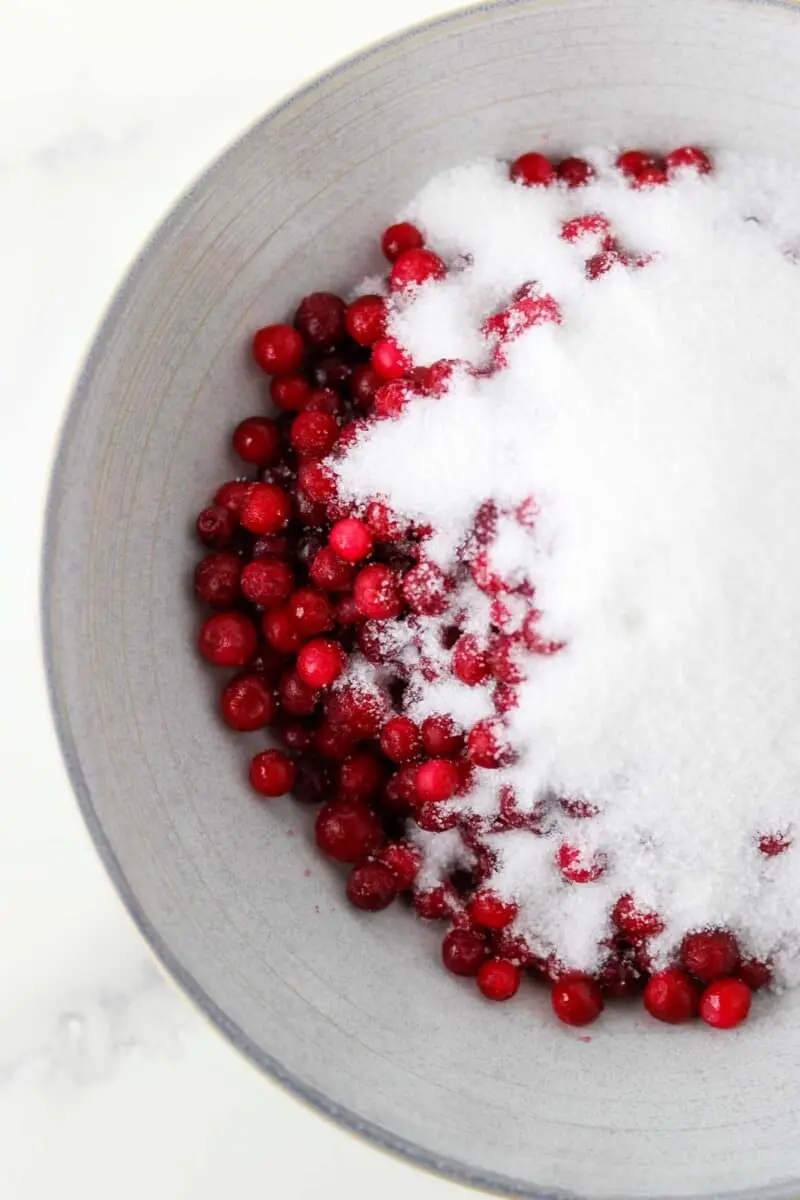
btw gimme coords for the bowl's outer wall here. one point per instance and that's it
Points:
(354, 1013)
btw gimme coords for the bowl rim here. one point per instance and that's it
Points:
(350, 1122)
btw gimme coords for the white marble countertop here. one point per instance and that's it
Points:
(110, 1083)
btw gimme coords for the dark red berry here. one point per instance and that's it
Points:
(691, 157)
(412, 268)
(435, 904)
(575, 172)
(281, 631)
(248, 703)
(441, 737)
(358, 711)
(311, 611)
(297, 698)
(371, 887)
(499, 979)
(425, 590)
(754, 973)
(257, 440)
(400, 739)
(290, 393)
(400, 238)
(321, 662)
(216, 579)
(710, 954)
(404, 860)
(320, 318)
(376, 592)
(267, 582)
(366, 320)
(272, 773)
(266, 508)
(314, 434)
(348, 830)
(671, 996)
(364, 383)
(278, 349)
(228, 639)
(216, 526)
(650, 177)
(329, 572)
(491, 912)
(772, 844)
(577, 1000)
(576, 866)
(464, 951)
(361, 776)
(384, 525)
(532, 170)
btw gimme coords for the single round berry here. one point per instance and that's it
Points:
(316, 480)
(464, 951)
(688, 157)
(499, 979)
(400, 739)
(487, 745)
(281, 631)
(347, 830)
(650, 177)
(633, 162)
(358, 711)
(376, 592)
(361, 776)
(266, 508)
(434, 817)
(671, 996)
(725, 1003)
(709, 954)
(272, 773)
(754, 973)
(311, 611)
(330, 742)
(425, 590)
(297, 697)
(329, 572)
(412, 268)
(314, 434)
(325, 399)
(436, 904)
(576, 866)
(436, 780)
(290, 393)
(216, 526)
(400, 238)
(441, 737)
(231, 495)
(391, 399)
(267, 582)
(404, 860)
(491, 912)
(320, 318)
(575, 172)
(532, 170)
(321, 662)
(216, 579)
(637, 924)
(366, 320)
(248, 703)
(278, 349)
(383, 524)
(228, 639)
(371, 887)
(577, 1000)
(470, 662)
(257, 440)
(364, 383)
(351, 539)
(389, 359)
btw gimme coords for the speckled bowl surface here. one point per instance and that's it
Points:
(354, 1013)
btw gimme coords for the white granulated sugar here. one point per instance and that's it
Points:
(658, 427)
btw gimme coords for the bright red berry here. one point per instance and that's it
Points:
(436, 780)
(404, 860)
(348, 830)
(278, 349)
(400, 739)
(709, 954)
(725, 1003)
(377, 593)
(267, 582)
(257, 440)
(311, 611)
(316, 480)
(272, 773)
(488, 910)
(356, 710)
(441, 737)
(281, 631)
(487, 745)
(351, 539)
(633, 162)
(470, 661)
(691, 157)
(400, 238)
(650, 177)
(389, 359)
(228, 639)
(435, 904)
(635, 923)
(576, 1000)
(248, 703)
(314, 434)
(671, 996)
(371, 887)
(366, 320)
(464, 951)
(216, 526)
(320, 318)
(231, 495)
(575, 172)
(290, 393)
(532, 170)
(266, 508)
(329, 572)
(412, 268)
(499, 979)
(321, 662)
(216, 579)
(391, 399)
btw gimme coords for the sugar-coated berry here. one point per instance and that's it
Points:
(371, 887)
(278, 349)
(637, 924)
(633, 162)
(366, 320)
(404, 860)
(228, 639)
(389, 359)
(488, 910)
(709, 954)
(266, 508)
(650, 177)
(499, 979)
(575, 172)
(321, 662)
(399, 238)
(577, 1000)
(532, 170)
(441, 737)
(400, 739)
(725, 1003)
(671, 996)
(376, 592)
(487, 745)
(314, 434)
(576, 866)
(272, 773)
(470, 660)
(412, 268)
(691, 157)
(248, 703)
(329, 572)
(351, 539)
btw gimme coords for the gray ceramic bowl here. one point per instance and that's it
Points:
(353, 1013)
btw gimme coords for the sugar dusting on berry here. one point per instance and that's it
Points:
(645, 416)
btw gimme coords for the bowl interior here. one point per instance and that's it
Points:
(354, 1013)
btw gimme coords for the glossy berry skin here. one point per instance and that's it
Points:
(464, 951)
(216, 526)
(576, 1000)
(389, 359)
(709, 954)
(532, 170)
(671, 996)
(228, 639)
(650, 177)
(412, 268)
(329, 572)
(311, 611)
(320, 318)
(351, 539)
(290, 393)
(435, 781)
(371, 887)
(321, 662)
(267, 582)
(314, 434)
(366, 320)
(216, 579)
(486, 745)
(441, 737)
(691, 157)
(498, 979)
(248, 703)
(281, 631)
(400, 238)
(266, 508)
(490, 912)
(400, 739)
(257, 440)
(725, 1003)
(347, 830)
(272, 773)
(278, 349)
(633, 162)
(361, 776)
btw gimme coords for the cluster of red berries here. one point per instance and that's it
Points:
(302, 585)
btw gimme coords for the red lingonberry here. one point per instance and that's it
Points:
(575, 172)
(272, 773)
(486, 579)
(588, 225)
(576, 866)
(281, 631)
(364, 383)
(400, 794)
(248, 703)
(290, 393)
(412, 268)
(436, 780)
(499, 979)
(470, 662)
(295, 736)
(404, 860)
(216, 579)
(371, 887)
(398, 239)
(620, 976)
(361, 776)
(389, 359)
(505, 656)
(320, 318)
(441, 737)
(425, 590)
(488, 910)
(267, 582)
(772, 844)
(216, 526)
(377, 593)
(633, 162)
(331, 742)
(691, 157)
(366, 320)
(314, 434)
(709, 954)
(278, 349)
(437, 903)
(316, 480)
(321, 662)
(487, 745)
(391, 398)
(297, 698)
(231, 495)
(346, 612)
(400, 739)
(577, 1000)
(434, 817)
(228, 639)
(333, 371)
(271, 545)
(725, 1003)
(266, 508)
(347, 830)
(329, 572)
(532, 170)
(358, 711)
(754, 973)
(311, 611)
(464, 951)
(325, 400)
(351, 539)
(671, 996)
(650, 177)
(637, 924)
(257, 440)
